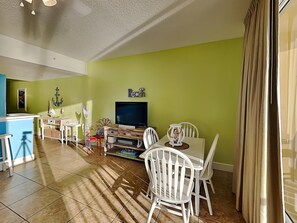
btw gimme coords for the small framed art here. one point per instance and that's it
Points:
(21, 99)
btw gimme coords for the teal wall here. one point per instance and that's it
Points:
(199, 84)
(22, 137)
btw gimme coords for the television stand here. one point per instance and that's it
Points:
(124, 142)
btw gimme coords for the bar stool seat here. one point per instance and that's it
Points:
(98, 139)
(6, 153)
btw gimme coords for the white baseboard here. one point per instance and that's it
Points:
(19, 161)
(222, 166)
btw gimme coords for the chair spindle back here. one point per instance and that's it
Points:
(166, 168)
(150, 137)
(190, 129)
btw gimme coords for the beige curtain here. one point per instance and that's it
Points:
(257, 170)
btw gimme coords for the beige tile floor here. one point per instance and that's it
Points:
(290, 179)
(64, 184)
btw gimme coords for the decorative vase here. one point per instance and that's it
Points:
(175, 135)
(51, 113)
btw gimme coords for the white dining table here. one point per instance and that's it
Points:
(196, 154)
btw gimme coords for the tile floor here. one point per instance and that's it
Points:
(64, 184)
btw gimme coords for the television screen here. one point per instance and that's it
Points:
(131, 113)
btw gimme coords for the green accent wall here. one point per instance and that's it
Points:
(198, 84)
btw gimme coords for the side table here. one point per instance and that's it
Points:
(72, 126)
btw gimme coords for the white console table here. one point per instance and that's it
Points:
(53, 127)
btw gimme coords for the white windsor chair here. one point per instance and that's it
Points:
(169, 189)
(190, 129)
(150, 137)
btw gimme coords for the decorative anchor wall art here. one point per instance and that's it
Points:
(136, 94)
(57, 102)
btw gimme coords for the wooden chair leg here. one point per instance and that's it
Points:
(148, 191)
(9, 156)
(184, 213)
(212, 188)
(152, 210)
(207, 197)
(190, 210)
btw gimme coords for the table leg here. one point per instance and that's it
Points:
(3, 155)
(197, 192)
(42, 132)
(66, 134)
(71, 137)
(76, 135)
(8, 155)
(62, 136)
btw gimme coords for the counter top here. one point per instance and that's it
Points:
(18, 116)
(54, 118)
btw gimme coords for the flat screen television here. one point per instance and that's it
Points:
(131, 113)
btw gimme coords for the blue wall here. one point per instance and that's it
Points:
(2, 95)
(22, 130)
(22, 140)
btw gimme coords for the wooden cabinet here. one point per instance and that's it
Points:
(53, 127)
(126, 143)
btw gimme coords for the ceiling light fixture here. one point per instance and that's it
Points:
(49, 2)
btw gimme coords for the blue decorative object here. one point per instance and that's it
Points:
(56, 102)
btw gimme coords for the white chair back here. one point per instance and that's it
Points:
(190, 129)
(166, 168)
(207, 168)
(150, 137)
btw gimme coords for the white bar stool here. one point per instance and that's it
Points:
(6, 154)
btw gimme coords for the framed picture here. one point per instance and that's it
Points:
(21, 99)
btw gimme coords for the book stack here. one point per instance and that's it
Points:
(128, 152)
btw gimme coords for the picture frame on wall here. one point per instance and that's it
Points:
(21, 99)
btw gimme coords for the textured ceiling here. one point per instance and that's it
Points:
(99, 29)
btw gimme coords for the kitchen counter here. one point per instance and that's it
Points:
(20, 125)
(18, 116)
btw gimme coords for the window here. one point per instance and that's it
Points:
(288, 103)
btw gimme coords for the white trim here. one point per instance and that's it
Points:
(20, 160)
(222, 166)
(288, 219)
(16, 117)
(282, 4)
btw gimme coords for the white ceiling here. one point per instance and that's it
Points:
(88, 30)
